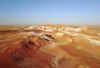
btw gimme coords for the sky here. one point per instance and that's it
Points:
(30, 12)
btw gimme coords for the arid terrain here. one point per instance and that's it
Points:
(50, 46)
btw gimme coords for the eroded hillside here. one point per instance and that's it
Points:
(50, 47)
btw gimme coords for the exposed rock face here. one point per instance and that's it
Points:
(56, 49)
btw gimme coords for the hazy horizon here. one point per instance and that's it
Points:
(31, 12)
